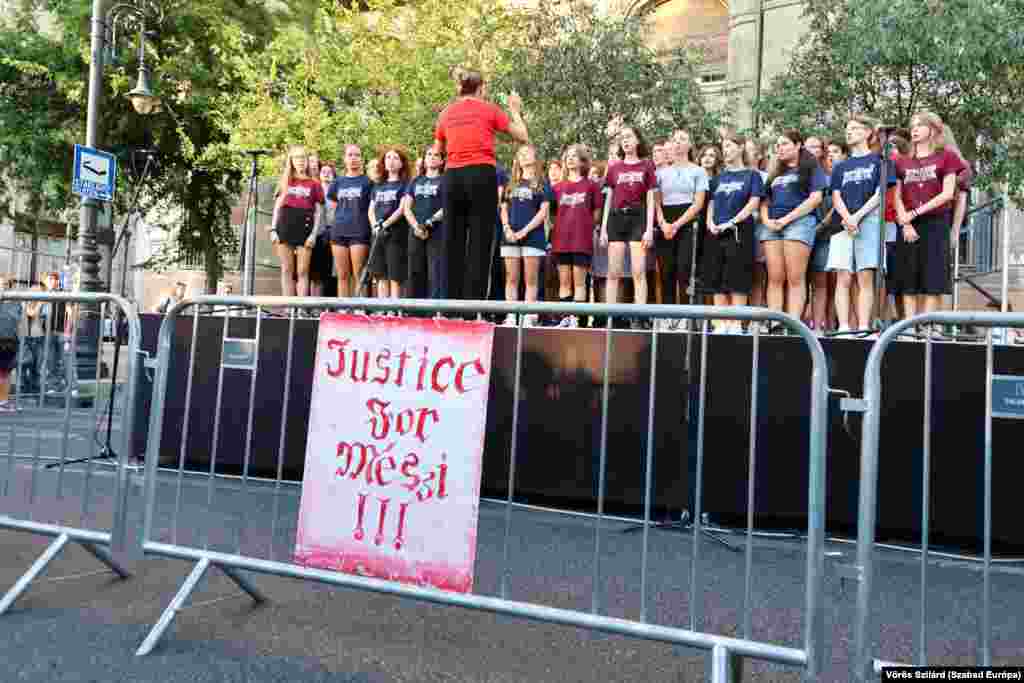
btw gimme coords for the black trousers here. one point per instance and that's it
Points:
(470, 204)
(676, 255)
(426, 265)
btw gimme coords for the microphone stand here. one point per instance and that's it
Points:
(123, 239)
(247, 264)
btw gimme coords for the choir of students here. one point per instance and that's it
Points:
(794, 225)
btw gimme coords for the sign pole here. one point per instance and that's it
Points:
(86, 251)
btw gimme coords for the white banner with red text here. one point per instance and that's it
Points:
(391, 487)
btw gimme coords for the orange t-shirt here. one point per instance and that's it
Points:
(466, 128)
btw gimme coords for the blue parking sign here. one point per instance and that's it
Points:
(95, 174)
(1008, 396)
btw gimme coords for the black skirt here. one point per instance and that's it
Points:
(294, 225)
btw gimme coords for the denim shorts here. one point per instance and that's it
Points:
(800, 230)
(860, 252)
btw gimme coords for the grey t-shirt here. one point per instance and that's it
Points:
(680, 184)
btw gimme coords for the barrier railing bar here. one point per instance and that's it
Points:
(553, 615)
(176, 605)
(751, 472)
(986, 621)
(185, 420)
(695, 553)
(595, 606)
(248, 427)
(37, 568)
(284, 432)
(814, 608)
(648, 475)
(810, 655)
(512, 457)
(69, 393)
(926, 457)
(94, 447)
(32, 477)
(862, 661)
(216, 434)
(47, 342)
(10, 462)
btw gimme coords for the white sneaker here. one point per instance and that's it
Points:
(510, 320)
(530, 320)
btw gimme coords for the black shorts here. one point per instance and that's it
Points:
(573, 258)
(391, 258)
(679, 249)
(321, 263)
(922, 267)
(627, 225)
(8, 353)
(350, 241)
(294, 225)
(728, 264)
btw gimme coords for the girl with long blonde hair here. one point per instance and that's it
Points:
(524, 209)
(297, 220)
(925, 198)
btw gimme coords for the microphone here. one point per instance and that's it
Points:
(257, 152)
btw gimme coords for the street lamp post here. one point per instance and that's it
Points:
(103, 29)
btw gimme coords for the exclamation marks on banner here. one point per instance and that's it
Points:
(360, 533)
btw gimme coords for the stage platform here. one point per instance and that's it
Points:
(560, 425)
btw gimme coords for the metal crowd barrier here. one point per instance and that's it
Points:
(170, 492)
(865, 666)
(53, 439)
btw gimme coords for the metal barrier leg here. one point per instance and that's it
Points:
(172, 610)
(245, 584)
(33, 572)
(106, 558)
(725, 667)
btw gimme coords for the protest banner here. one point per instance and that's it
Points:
(391, 486)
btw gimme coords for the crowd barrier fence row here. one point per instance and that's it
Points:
(161, 534)
(69, 497)
(865, 665)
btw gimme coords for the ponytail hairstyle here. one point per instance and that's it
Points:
(690, 146)
(734, 137)
(806, 163)
(535, 183)
(869, 123)
(469, 81)
(433, 147)
(288, 172)
(583, 154)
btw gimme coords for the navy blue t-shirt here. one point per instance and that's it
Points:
(731, 190)
(427, 197)
(387, 197)
(787, 194)
(523, 204)
(856, 179)
(353, 197)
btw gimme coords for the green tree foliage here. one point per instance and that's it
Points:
(890, 58)
(370, 74)
(579, 68)
(44, 57)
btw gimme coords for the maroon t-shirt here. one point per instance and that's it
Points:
(922, 179)
(631, 182)
(574, 219)
(304, 193)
